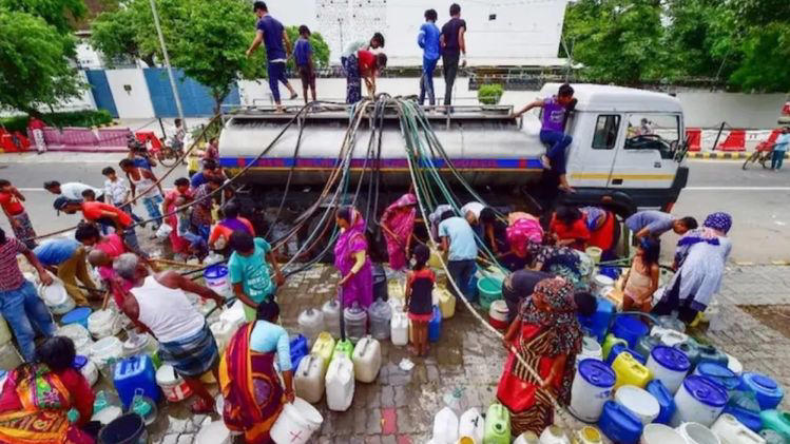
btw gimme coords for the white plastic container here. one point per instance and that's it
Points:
(472, 424)
(591, 349)
(340, 383)
(497, 314)
(9, 357)
(445, 427)
(600, 282)
(223, 332)
(214, 432)
(661, 434)
(217, 279)
(309, 378)
(103, 323)
(702, 405)
(527, 438)
(367, 359)
(105, 353)
(669, 371)
(311, 324)
(79, 335)
(107, 414)
(173, 386)
(56, 298)
(331, 311)
(639, 402)
(141, 343)
(234, 315)
(730, 431)
(297, 423)
(734, 364)
(90, 372)
(554, 435)
(5, 333)
(668, 336)
(592, 387)
(400, 329)
(695, 433)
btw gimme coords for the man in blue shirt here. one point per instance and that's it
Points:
(303, 57)
(272, 34)
(428, 39)
(458, 240)
(780, 149)
(66, 258)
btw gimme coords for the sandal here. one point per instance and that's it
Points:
(201, 407)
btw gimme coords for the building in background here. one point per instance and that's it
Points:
(500, 32)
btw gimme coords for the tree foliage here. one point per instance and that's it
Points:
(60, 14)
(742, 43)
(320, 47)
(207, 39)
(35, 68)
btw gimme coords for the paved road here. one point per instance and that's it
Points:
(758, 199)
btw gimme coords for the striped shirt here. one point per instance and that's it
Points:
(11, 276)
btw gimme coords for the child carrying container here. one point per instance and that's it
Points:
(641, 280)
(419, 300)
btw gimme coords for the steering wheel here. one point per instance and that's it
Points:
(645, 141)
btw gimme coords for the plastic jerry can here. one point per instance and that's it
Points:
(497, 425)
(554, 435)
(311, 323)
(620, 348)
(630, 372)
(309, 378)
(332, 315)
(399, 329)
(730, 431)
(666, 401)
(472, 425)
(598, 322)
(343, 348)
(609, 343)
(445, 427)
(446, 302)
(135, 373)
(777, 421)
(340, 383)
(527, 438)
(619, 424)
(298, 350)
(324, 347)
(367, 359)
(435, 326)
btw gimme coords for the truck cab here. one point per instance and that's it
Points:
(628, 147)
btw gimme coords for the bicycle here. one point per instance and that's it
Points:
(762, 156)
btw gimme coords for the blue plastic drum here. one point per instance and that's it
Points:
(769, 394)
(629, 328)
(720, 374)
(77, 316)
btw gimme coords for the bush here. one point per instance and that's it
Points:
(60, 120)
(489, 94)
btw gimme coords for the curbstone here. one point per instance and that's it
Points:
(743, 155)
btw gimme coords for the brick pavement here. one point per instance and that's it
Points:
(399, 407)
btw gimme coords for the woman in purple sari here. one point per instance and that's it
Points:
(352, 260)
(398, 226)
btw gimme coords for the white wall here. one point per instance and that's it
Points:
(87, 57)
(522, 29)
(134, 103)
(702, 109)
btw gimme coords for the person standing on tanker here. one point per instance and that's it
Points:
(428, 39)
(453, 42)
(158, 303)
(272, 34)
(303, 57)
(552, 132)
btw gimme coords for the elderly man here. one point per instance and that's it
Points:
(158, 303)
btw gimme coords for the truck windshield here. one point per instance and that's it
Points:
(653, 132)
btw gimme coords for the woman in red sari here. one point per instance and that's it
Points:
(548, 337)
(253, 395)
(36, 398)
(398, 225)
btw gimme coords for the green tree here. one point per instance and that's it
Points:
(114, 34)
(765, 66)
(617, 40)
(35, 66)
(58, 13)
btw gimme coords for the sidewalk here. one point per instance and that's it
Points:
(60, 157)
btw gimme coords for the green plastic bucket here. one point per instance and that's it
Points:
(490, 290)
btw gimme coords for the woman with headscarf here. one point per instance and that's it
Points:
(547, 336)
(351, 259)
(558, 260)
(700, 259)
(523, 229)
(397, 223)
(37, 397)
(254, 395)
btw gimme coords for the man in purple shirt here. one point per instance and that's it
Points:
(272, 34)
(552, 132)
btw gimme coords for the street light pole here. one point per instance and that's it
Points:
(167, 65)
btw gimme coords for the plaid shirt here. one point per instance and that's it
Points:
(11, 276)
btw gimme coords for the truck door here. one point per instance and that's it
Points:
(594, 149)
(645, 159)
